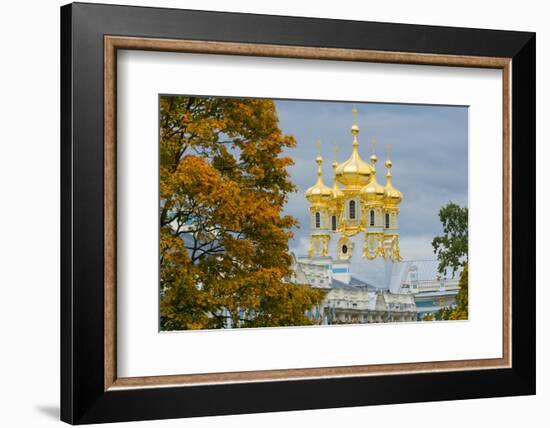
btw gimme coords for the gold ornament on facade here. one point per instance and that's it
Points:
(392, 248)
(345, 248)
(382, 249)
(318, 245)
(396, 254)
(372, 245)
(324, 250)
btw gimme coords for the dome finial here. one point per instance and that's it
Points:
(319, 160)
(388, 160)
(319, 193)
(373, 157)
(354, 172)
(354, 127)
(319, 169)
(388, 166)
(373, 191)
(393, 196)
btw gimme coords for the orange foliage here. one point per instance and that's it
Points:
(224, 239)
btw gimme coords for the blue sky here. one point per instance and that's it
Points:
(429, 151)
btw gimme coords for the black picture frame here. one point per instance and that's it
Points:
(83, 398)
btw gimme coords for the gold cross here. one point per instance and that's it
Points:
(354, 110)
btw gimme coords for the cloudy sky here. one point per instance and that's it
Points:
(429, 151)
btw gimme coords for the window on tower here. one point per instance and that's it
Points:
(333, 220)
(317, 220)
(352, 210)
(387, 220)
(372, 217)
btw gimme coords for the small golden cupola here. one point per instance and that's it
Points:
(393, 196)
(373, 191)
(354, 173)
(319, 193)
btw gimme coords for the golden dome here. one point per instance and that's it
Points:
(319, 192)
(393, 196)
(354, 172)
(373, 191)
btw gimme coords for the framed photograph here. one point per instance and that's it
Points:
(266, 213)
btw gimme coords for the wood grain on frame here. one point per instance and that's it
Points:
(112, 43)
(109, 197)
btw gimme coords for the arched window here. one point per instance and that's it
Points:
(387, 220)
(317, 220)
(344, 249)
(352, 210)
(333, 220)
(372, 217)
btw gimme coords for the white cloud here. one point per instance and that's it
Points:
(416, 247)
(300, 246)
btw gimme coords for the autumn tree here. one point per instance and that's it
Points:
(452, 253)
(223, 236)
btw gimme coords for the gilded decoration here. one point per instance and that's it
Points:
(356, 202)
(345, 248)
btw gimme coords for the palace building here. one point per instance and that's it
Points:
(354, 246)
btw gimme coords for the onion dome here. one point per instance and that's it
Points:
(354, 172)
(373, 191)
(393, 196)
(319, 192)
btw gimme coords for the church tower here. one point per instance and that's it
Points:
(373, 196)
(353, 174)
(319, 197)
(391, 211)
(357, 206)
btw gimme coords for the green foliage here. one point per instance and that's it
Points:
(452, 252)
(451, 248)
